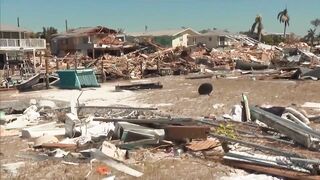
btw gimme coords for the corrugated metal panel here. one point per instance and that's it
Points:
(87, 78)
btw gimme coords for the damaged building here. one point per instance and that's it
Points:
(166, 38)
(90, 41)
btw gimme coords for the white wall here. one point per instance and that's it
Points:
(180, 41)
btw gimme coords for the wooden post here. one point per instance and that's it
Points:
(41, 59)
(128, 68)
(158, 66)
(68, 65)
(103, 75)
(75, 63)
(47, 71)
(12, 70)
(57, 64)
(141, 70)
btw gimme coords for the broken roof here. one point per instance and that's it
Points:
(11, 28)
(167, 32)
(84, 31)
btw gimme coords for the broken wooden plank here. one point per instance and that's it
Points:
(183, 132)
(139, 86)
(58, 145)
(246, 108)
(203, 145)
(96, 154)
(271, 170)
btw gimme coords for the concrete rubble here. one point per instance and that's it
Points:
(113, 136)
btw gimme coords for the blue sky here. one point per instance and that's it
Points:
(133, 15)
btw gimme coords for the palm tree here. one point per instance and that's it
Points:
(283, 17)
(315, 22)
(257, 24)
(310, 36)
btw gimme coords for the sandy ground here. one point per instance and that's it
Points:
(178, 97)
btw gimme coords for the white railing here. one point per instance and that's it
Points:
(12, 44)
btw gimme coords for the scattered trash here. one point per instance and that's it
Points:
(103, 170)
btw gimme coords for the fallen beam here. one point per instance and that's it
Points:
(147, 121)
(118, 107)
(133, 87)
(271, 170)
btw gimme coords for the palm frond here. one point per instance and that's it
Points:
(253, 26)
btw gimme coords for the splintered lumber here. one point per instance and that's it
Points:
(132, 87)
(271, 170)
(183, 132)
(296, 132)
(147, 121)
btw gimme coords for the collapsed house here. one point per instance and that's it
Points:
(90, 41)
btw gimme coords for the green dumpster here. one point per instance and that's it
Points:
(77, 79)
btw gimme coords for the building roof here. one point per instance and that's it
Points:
(217, 33)
(84, 31)
(11, 28)
(166, 32)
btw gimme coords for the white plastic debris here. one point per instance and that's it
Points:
(29, 116)
(217, 106)
(33, 102)
(112, 151)
(12, 168)
(236, 113)
(47, 104)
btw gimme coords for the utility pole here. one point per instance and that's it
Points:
(47, 72)
(66, 24)
(18, 24)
